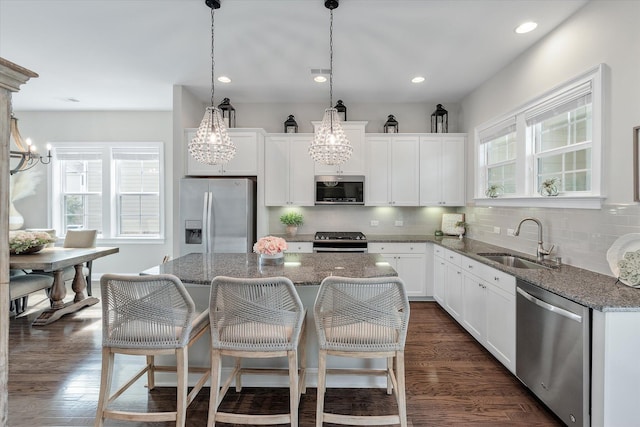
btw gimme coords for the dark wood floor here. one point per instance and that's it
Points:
(54, 374)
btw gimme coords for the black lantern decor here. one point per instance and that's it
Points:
(391, 126)
(228, 113)
(440, 120)
(290, 125)
(342, 110)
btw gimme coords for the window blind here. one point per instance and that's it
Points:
(569, 100)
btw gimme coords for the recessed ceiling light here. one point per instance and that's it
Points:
(224, 79)
(417, 79)
(526, 27)
(320, 79)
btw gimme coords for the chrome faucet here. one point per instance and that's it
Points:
(541, 252)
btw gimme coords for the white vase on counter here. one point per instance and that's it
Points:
(271, 259)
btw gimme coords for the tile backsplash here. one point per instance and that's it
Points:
(581, 236)
(414, 220)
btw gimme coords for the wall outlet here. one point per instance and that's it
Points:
(374, 223)
(510, 231)
(496, 230)
(399, 223)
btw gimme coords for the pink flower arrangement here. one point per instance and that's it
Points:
(270, 245)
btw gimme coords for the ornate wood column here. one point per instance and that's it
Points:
(11, 77)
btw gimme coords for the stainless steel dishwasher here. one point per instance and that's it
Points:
(553, 351)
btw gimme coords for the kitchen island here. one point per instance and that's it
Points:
(306, 271)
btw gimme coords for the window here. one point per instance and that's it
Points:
(499, 155)
(112, 187)
(556, 136)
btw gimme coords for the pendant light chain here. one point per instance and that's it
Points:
(331, 60)
(213, 61)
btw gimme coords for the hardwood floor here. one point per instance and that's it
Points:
(54, 374)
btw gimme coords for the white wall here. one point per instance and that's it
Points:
(601, 32)
(43, 127)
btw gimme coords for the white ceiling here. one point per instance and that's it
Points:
(128, 54)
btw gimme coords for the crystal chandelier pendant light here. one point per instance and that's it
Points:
(212, 144)
(330, 145)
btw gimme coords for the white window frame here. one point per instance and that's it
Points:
(110, 206)
(526, 169)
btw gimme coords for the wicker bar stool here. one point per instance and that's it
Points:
(256, 318)
(363, 318)
(148, 316)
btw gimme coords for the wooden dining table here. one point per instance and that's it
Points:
(56, 259)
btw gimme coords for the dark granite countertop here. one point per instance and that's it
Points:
(302, 269)
(594, 290)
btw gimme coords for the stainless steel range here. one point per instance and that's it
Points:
(339, 241)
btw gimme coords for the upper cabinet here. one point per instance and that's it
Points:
(442, 170)
(244, 163)
(356, 164)
(393, 170)
(288, 170)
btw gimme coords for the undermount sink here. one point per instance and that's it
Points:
(510, 260)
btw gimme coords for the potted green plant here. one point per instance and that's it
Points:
(493, 191)
(549, 187)
(461, 228)
(292, 220)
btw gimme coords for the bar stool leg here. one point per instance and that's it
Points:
(401, 391)
(105, 385)
(322, 378)
(294, 395)
(215, 386)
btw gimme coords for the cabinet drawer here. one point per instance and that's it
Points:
(476, 268)
(397, 248)
(300, 247)
(438, 251)
(504, 281)
(452, 257)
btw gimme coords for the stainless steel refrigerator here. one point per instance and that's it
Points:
(217, 215)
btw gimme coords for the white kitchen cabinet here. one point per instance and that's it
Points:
(439, 271)
(300, 247)
(442, 170)
(453, 301)
(288, 171)
(354, 132)
(408, 259)
(474, 306)
(489, 309)
(480, 298)
(393, 165)
(244, 163)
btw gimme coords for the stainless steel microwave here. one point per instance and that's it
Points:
(339, 190)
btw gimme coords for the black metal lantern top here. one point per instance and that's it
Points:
(228, 113)
(342, 110)
(290, 125)
(440, 120)
(391, 126)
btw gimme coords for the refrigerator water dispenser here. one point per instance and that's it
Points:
(193, 232)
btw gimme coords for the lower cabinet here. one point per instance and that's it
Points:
(409, 260)
(480, 298)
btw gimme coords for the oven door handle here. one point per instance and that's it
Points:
(324, 249)
(550, 307)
